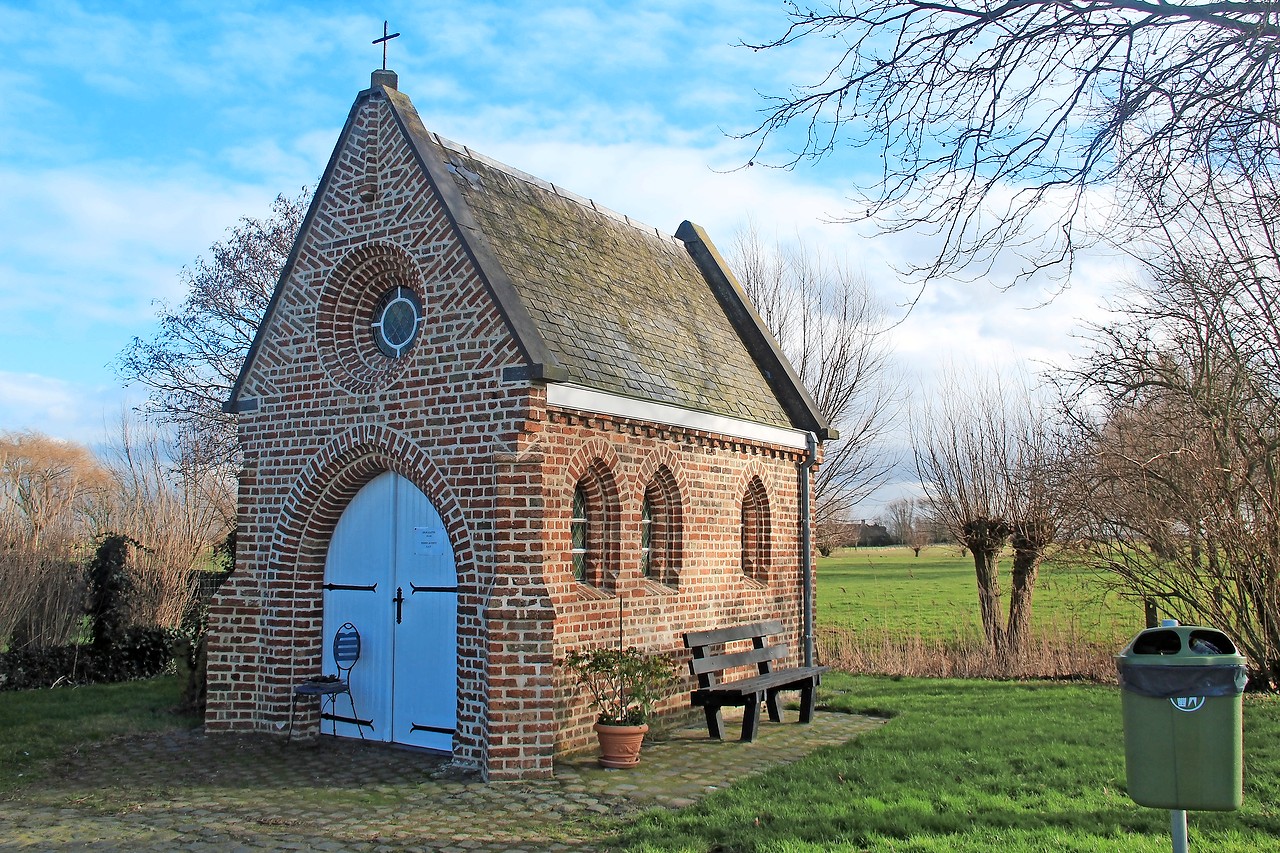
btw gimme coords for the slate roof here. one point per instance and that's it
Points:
(597, 300)
(622, 309)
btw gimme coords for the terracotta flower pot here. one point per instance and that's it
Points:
(620, 745)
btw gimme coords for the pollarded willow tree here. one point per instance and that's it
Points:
(996, 122)
(961, 447)
(991, 469)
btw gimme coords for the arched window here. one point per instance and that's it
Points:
(661, 529)
(593, 529)
(646, 537)
(754, 531)
(579, 527)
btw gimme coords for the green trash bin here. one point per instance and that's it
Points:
(1181, 689)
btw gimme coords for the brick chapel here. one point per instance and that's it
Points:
(488, 421)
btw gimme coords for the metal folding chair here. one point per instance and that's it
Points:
(346, 652)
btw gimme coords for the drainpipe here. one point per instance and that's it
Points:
(806, 544)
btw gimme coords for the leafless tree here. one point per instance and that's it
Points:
(835, 533)
(1181, 425)
(49, 489)
(48, 484)
(908, 522)
(900, 519)
(830, 327)
(919, 541)
(57, 500)
(961, 451)
(191, 363)
(176, 506)
(1041, 506)
(922, 527)
(993, 122)
(984, 457)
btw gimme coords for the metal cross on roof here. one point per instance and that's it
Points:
(383, 41)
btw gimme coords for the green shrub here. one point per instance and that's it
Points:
(109, 586)
(139, 652)
(625, 684)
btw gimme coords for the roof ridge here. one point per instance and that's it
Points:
(521, 175)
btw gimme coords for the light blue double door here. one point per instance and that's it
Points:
(390, 571)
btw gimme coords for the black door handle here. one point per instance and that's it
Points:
(399, 600)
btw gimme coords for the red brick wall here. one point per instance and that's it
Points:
(333, 413)
(711, 474)
(499, 466)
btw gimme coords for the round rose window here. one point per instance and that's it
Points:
(396, 320)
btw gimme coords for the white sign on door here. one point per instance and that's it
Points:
(426, 540)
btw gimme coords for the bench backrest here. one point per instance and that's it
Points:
(734, 632)
(707, 668)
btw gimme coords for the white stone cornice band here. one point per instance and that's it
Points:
(588, 400)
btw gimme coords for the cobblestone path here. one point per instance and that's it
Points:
(187, 792)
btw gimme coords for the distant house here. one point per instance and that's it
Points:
(871, 535)
(488, 421)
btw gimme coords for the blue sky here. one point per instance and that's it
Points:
(133, 134)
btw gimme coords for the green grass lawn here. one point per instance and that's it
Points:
(970, 766)
(960, 766)
(889, 590)
(37, 725)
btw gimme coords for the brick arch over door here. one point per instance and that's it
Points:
(300, 545)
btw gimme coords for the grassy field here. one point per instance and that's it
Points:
(891, 591)
(1023, 767)
(37, 725)
(970, 766)
(962, 765)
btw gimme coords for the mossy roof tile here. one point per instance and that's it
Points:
(622, 308)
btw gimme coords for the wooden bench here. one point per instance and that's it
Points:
(713, 694)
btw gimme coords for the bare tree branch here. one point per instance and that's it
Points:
(192, 362)
(831, 329)
(995, 121)
(1179, 416)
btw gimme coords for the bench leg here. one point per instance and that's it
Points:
(715, 723)
(751, 718)
(808, 698)
(775, 707)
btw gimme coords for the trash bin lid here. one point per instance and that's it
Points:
(1182, 660)
(1180, 645)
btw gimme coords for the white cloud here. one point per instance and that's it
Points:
(71, 411)
(84, 254)
(109, 239)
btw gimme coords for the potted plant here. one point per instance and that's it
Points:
(624, 685)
